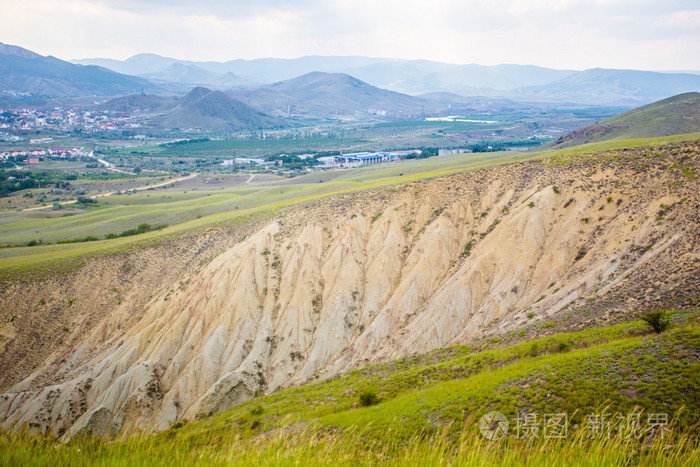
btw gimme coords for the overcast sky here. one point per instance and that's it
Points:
(574, 34)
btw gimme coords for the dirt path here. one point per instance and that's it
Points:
(102, 195)
(111, 167)
(252, 176)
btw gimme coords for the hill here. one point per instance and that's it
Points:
(673, 116)
(28, 73)
(331, 94)
(601, 86)
(426, 410)
(192, 325)
(212, 110)
(137, 103)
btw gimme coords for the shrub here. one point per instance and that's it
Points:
(86, 200)
(368, 398)
(467, 249)
(657, 320)
(141, 228)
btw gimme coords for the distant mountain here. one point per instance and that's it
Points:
(600, 86)
(136, 103)
(25, 72)
(331, 94)
(421, 76)
(415, 77)
(406, 76)
(140, 64)
(212, 110)
(673, 116)
(169, 70)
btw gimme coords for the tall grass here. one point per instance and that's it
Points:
(310, 444)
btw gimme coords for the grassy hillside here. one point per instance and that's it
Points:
(673, 116)
(425, 409)
(118, 213)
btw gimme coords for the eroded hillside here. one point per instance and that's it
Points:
(333, 285)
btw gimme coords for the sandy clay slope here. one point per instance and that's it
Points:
(358, 278)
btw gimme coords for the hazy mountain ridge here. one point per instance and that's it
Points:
(519, 82)
(23, 71)
(612, 87)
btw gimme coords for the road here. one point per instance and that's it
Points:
(102, 195)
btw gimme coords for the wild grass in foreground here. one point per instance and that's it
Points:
(312, 445)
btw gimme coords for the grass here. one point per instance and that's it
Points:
(183, 211)
(424, 410)
(119, 213)
(589, 148)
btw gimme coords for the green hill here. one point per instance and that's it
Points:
(673, 116)
(425, 409)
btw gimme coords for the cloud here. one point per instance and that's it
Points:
(558, 33)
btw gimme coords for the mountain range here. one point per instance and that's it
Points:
(518, 82)
(25, 73)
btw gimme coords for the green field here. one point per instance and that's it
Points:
(425, 410)
(158, 206)
(190, 209)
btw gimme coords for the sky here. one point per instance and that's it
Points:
(564, 34)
